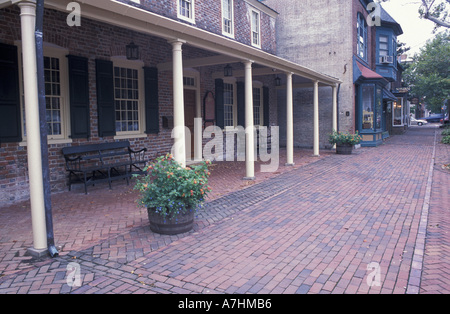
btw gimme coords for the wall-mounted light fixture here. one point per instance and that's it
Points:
(132, 52)
(228, 71)
(277, 81)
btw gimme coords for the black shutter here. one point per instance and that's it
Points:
(266, 104)
(105, 98)
(79, 97)
(10, 121)
(220, 110)
(151, 100)
(241, 103)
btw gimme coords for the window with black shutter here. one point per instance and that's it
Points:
(79, 97)
(10, 121)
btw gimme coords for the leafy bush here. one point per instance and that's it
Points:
(446, 139)
(345, 138)
(446, 132)
(171, 189)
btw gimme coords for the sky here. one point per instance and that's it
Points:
(416, 31)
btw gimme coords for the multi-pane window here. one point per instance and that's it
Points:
(384, 46)
(52, 73)
(227, 17)
(362, 37)
(186, 9)
(256, 39)
(126, 92)
(228, 104)
(257, 109)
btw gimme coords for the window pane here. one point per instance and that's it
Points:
(368, 94)
(228, 104)
(52, 78)
(127, 99)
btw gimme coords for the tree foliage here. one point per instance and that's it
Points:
(428, 75)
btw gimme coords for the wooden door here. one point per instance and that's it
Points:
(189, 118)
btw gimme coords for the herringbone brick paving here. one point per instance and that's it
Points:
(314, 229)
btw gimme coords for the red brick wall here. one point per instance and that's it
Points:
(95, 40)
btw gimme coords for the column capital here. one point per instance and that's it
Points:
(176, 42)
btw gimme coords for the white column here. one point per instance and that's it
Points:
(316, 119)
(249, 127)
(179, 150)
(28, 21)
(289, 121)
(198, 127)
(335, 113)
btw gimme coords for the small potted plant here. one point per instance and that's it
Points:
(172, 194)
(344, 142)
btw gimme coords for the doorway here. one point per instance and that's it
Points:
(189, 118)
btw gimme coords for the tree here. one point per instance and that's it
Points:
(428, 75)
(435, 11)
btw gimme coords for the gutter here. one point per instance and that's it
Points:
(43, 128)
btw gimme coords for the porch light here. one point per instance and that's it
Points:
(277, 81)
(228, 71)
(132, 51)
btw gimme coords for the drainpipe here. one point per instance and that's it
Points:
(43, 126)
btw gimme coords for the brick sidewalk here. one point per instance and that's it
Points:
(313, 229)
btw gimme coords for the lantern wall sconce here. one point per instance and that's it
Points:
(228, 71)
(277, 81)
(132, 52)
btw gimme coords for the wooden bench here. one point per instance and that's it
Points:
(105, 162)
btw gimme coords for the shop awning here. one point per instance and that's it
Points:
(363, 73)
(387, 95)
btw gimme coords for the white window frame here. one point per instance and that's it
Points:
(258, 86)
(191, 18)
(52, 51)
(138, 65)
(232, 81)
(257, 26)
(224, 31)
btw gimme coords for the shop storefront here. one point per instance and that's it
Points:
(370, 110)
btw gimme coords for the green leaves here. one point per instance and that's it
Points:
(171, 189)
(345, 138)
(428, 75)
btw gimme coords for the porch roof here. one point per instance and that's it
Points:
(135, 18)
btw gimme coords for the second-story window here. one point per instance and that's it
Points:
(256, 36)
(362, 39)
(384, 46)
(227, 17)
(186, 10)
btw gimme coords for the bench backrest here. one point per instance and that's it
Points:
(91, 148)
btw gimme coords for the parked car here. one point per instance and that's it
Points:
(435, 118)
(419, 122)
(445, 121)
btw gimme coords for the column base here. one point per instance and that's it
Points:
(289, 165)
(37, 253)
(249, 178)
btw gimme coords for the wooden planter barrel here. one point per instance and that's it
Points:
(180, 224)
(344, 149)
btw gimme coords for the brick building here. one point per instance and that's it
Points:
(341, 39)
(97, 91)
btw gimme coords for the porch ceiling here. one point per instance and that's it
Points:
(131, 17)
